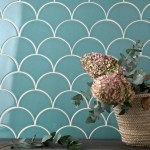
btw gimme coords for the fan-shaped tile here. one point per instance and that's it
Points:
(31, 65)
(106, 31)
(80, 121)
(112, 120)
(144, 64)
(105, 132)
(18, 48)
(60, 11)
(73, 131)
(146, 14)
(35, 101)
(7, 30)
(146, 49)
(64, 102)
(83, 14)
(133, 31)
(4, 3)
(119, 46)
(70, 67)
(72, 4)
(80, 84)
(38, 4)
(31, 131)
(18, 83)
(7, 100)
(88, 45)
(12, 116)
(8, 66)
(138, 3)
(120, 14)
(106, 4)
(19, 13)
(6, 133)
(71, 31)
(52, 119)
(36, 31)
(54, 49)
(53, 84)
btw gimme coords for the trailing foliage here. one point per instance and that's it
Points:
(51, 141)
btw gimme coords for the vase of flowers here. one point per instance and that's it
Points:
(123, 85)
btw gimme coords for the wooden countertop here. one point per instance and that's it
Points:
(89, 145)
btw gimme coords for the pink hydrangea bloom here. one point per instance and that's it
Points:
(112, 89)
(97, 64)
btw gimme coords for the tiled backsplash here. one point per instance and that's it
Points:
(41, 43)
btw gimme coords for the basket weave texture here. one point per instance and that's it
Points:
(134, 126)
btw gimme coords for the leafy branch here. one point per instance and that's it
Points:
(51, 140)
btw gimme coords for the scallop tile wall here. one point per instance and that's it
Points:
(41, 43)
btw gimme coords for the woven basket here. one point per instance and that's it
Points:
(134, 126)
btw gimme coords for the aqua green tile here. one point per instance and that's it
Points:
(80, 84)
(71, 63)
(35, 101)
(6, 132)
(9, 65)
(105, 133)
(133, 31)
(23, 119)
(19, 13)
(31, 65)
(83, 14)
(50, 83)
(79, 120)
(88, 45)
(106, 31)
(71, 31)
(31, 131)
(7, 100)
(146, 49)
(37, 4)
(18, 48)
(72, 4)
(5, 3)
(118, 12)
(106, 4)
(18, 83)
(119, 46)
(36, 31)
(52, 119)
(138, 3)
(145, 15)
(75, 132)
(144, 64)
(65, 103)
(111, 120)
(54, 48)
(60, 11)
(7, 30)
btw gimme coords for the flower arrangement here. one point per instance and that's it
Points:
(115, 82)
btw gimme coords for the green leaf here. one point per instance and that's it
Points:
(106, 107)
(123, 111)
(90, 120)
(46, 138)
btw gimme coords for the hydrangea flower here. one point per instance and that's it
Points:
(97, 64)
(112, 89)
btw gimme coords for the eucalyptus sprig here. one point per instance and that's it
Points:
(51, 141)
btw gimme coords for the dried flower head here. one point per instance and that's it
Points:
(112, 89)
(97, 64)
